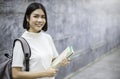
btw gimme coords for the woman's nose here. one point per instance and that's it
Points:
(39, 19)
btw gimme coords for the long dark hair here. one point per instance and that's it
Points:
(30, 9)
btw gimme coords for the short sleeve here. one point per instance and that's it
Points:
(18, 56)
(55, 53)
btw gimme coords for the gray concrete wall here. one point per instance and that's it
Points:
(90, 26)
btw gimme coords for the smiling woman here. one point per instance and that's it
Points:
(43, 50)
(35, 14)
(37, 20)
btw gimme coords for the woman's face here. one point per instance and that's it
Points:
(36, 21)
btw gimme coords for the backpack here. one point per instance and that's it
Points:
(6, 60)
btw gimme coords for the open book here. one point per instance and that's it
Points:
(65, 54)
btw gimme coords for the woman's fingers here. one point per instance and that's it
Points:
(65, 62)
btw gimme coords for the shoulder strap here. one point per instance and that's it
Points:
(26, 50)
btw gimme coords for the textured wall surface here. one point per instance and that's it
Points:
(90, 26)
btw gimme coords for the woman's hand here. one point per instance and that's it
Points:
(65, 62)
(50, 72)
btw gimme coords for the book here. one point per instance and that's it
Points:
(65, 54)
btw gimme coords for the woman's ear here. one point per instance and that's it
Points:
(27, 19)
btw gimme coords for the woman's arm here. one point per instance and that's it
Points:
(17, 73)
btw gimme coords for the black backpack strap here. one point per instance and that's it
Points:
(26, 51)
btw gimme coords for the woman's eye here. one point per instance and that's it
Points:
(43, 16)
(36, 16)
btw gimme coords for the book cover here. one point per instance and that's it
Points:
(65, 54)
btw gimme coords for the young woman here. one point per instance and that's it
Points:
(43, 51)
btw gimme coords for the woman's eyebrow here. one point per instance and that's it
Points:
(35, 14)
(39, 14)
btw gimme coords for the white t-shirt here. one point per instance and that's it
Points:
(42, 52)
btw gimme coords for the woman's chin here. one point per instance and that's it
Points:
(37, 31)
